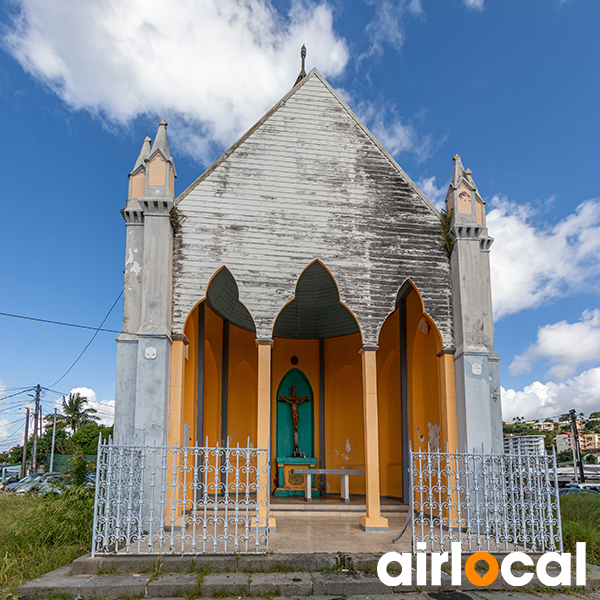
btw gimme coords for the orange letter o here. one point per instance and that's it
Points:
(473, 576)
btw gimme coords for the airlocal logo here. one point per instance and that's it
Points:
(505, 568)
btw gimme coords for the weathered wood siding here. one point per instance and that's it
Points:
(308, 182)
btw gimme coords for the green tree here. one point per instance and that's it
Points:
(78, 467)
(595, 415)
(75, 414)
(62, 444)
(86, 437)
(565, 456)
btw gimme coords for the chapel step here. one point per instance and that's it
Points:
(396, 509)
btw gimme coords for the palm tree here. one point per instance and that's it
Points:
(75, 415)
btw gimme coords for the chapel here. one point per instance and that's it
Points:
(304, 295)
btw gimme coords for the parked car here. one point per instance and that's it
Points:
(25, 484)
(56, 483)
(577, 490)
(53, 483)
(10, 479)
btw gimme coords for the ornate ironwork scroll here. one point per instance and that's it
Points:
(181, 500)
(492, 502)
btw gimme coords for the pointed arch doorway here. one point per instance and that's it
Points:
(316, 349)
(295, 422)
(295, 437)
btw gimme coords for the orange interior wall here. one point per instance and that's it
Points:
(307, 352)
(190, 403)
(344, 431)
(213, 344)
(243, 380)
(390, 408)
(424, 394)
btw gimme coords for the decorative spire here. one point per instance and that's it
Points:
(302, 70)
(144, 154)
(463, 198)
(468, 177)
(161, 142)
(457, 172)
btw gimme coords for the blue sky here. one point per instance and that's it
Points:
(511, 86)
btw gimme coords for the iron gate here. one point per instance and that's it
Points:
(181, 500)
(493, 502)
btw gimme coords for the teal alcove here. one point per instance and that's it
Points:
(285, 425)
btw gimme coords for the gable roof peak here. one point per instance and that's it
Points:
(311, 75)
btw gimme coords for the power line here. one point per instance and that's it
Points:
(3, 314)
(89, 343)
(14, 430)
(100, 408)
(55, 391)
(14, 389)
(17, 394)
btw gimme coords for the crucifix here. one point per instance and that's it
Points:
(294, 401)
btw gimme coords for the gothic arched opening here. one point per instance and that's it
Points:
(319, 337)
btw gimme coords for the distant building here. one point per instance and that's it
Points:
(524, 444)
(546, 426)
(588, 442)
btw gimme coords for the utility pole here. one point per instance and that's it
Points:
(24, 461)
(52, 447)
(575, 478)
(35, 428)
(573, 415)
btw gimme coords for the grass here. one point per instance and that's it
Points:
(581, 523)
(282, 568)
(38, 535)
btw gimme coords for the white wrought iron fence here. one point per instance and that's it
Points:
(181, 500)
(493, 502)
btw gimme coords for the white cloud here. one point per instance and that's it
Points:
(387, 25)
(544, 400)
(475, 4)
(4, 425)
(394, 135)
(532, 266)
(105, 408)
(565, 345)
(435, 194)
(211, 67)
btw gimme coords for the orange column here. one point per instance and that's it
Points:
(448, 389)
(175, 435)
(263, 431)
(174, 509)
(449, 426)
(373, 521)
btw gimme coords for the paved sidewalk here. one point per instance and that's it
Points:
(334, 585)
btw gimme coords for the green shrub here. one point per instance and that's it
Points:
(78, 467)
(581, 523)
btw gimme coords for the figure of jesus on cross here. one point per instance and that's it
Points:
(294, 401)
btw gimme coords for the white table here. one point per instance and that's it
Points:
(344, 482)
